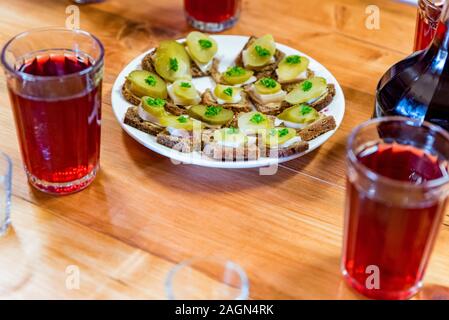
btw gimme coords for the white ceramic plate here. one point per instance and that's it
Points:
(228, 49)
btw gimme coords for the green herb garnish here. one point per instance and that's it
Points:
(305, 110)
(235, 71)
(257, 118)
(228, 91)
(232, 130)
(212, 111)
(174, 64)
(182, 119)
(282, 132)
(268, 82)
(205, 44)
(306, 85)
(185, 85)
(293, 59)
(151, 81)
(155, 102)
(263, 52)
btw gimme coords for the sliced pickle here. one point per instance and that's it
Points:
(261, 51)
(214, 115)
(278, 136)
(154, 106)
(291, 67)
(177, 122)
(202, 48)
(254, 122)
(267, 86)
(146, 83)
(185, 90)
(172, 61)
(226, 93)
(236, 75)
(307, 91)
(230, 136)
(302, 114)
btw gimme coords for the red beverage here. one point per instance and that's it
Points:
(71, 137)
(54, 79)
(429, 12)
(213, 16)
(397, 187)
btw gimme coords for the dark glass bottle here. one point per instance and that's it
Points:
(418, 86)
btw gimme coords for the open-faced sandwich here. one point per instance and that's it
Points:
(229, 97)
(260, 55)
(266, 105)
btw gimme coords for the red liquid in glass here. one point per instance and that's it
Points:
(210, 10)
(426, 24)
(59, 139)
(398, 240)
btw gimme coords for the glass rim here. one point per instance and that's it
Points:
(374, 176)
(31, 77)
(244, 290)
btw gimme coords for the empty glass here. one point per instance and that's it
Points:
(207, 279)
(5, 192)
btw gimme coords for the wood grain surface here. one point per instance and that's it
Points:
(143, 215)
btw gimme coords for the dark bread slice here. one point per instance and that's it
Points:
(181, 144)
(223, 153)
(272, 108)
(263, 71)
(323, 101)
(128, 95)
(148, 64)
(297, 147)
(208, 99)
(133, 119)
(319, 127)
(287, 84)
(175, 109)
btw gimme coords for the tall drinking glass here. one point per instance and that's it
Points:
(212, 16)
(54, 79)
(397, 187)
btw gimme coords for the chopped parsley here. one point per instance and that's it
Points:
(182, 119)
(235, 71)
(155, 102)
(174, 64)
(205, 44)
(151, 81)
(185, 85)
(262, 52)
(257, 118)
(212, 111)
(232, 130)
(305, 110)
(306, 85)
(228, 91)
(282, 132)
(268, 82)
(293, 59)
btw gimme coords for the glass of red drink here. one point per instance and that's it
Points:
(397, 186)
(212, 16)
(54, 79)
(427, 20)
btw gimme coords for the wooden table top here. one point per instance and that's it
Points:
(143, 215)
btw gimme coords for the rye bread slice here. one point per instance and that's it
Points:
(133, 119)
(319, 127)
(223, 153)
(208, 99)
(297, 147)
(175, 109)
(181, 144)
(263, 71)
(128, 95)
(272, 108)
